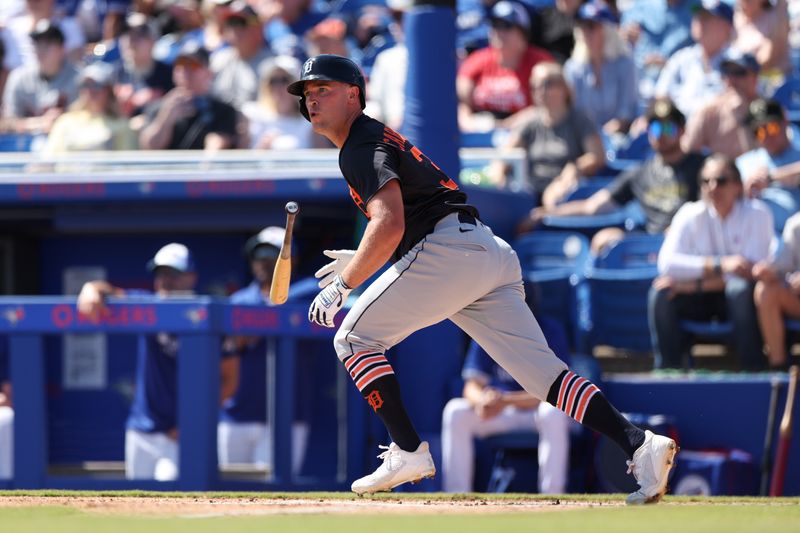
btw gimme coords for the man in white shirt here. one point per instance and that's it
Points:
(705, 267)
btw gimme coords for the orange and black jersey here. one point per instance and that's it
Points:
(374, 154)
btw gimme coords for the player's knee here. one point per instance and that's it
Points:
(456, 413)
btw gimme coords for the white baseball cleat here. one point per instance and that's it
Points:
(399, 466)
(651, 464)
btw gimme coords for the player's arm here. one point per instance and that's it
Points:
(91, 299)
(229, 377)
(520, 399)
(5, 394)
(382, 236)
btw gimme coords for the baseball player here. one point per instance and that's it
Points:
(6, 417)
(151, 438)
(446, 264)
(243, 435)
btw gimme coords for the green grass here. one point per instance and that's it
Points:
(675, 515)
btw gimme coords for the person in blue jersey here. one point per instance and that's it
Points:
(151, 438)
(243, 434)
(6, 416)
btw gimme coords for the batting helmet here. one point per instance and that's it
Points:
(328, 67)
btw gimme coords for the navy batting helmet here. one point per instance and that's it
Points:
(328, 67)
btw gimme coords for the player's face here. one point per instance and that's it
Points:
(329, 104)
(168, 280)
(262, 270)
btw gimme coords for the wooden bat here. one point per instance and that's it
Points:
(766, 460)
(282, 275)
(784, 437)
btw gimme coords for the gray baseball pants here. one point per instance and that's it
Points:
(463, 272)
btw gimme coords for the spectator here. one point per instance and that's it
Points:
(235, 68)
(494, 403)
(656, 29)
(214, 13)
(6, 419)
(286, 22)
(661, 185)
(691, 76)
(22, 27)
(705, 267)
(718, 126)
(777, 294)
(140, 79)
(189, 117)
(36, 95)
(387, 82)
(774, 163)
(762, 29)
(561, 143)
(95, 114)
(554, 28)
(243, 433)
(371, 34)
(4, 70)
(492, 83)
(274, 120)
(601, 72)
(181, 23)
(328, 37)
(151, 439)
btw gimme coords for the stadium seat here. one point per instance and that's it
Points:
(788, 95)
(612, 296)
(15, 142)
(774, 198)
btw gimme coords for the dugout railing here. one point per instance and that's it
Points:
(199, 323)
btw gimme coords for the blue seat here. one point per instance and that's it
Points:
(15, 142)
(781, 212)
(788, 95)
(553, 261)
(612, 296)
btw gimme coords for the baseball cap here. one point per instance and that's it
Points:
(288, 64)
(513, 13)
(173, 255)
(241, 11)
(192, 51)
(266, 244)
(47, 30)
(595, 12)
(718, 8)
(665, 109)
(734, 59)
(99, 72)
(764, 110)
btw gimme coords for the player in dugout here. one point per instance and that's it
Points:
(446, 264)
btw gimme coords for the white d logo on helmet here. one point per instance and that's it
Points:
(307, 66)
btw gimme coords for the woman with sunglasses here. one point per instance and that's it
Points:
(706, 268)
(95, 114)
(274, 120)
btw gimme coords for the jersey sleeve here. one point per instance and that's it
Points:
(367, 168)
(476, 365)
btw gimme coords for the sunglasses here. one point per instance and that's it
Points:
(189, 64)
(719, 180)
(547, 83)
(93, 86)
(589, 25)
(662, 128)
(735, 72)
(770, 129)
(501, 25)
(279, 81)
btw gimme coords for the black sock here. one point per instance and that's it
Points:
(583, 401)
(383, 395)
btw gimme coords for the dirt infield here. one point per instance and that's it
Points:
(207, 507)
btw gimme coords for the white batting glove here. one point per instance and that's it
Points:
(328, 302)
(341, 258)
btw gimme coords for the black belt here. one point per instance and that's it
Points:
(466, 218)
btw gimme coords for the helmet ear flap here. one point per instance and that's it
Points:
(303, 108)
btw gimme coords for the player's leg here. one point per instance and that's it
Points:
(746, 334)
(141, 454)
(300, 432)
(6, 442)
(460, 425)
(553, 427)
(167, 466)
(237, 442)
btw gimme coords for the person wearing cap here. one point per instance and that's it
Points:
(95, 114)
(661, 184)
(140, 79)
(22, 28)
(189, 117)
(274, 120)
(691, 75)
(235, 67)
(719, 125)
(243, 434)
(562, 144)
(553, 28)
(706, 268)
(773, 168)
(151, 437)
(762, 29)
(492, 83)
(601, 72)
(182, 23)
(35, 95)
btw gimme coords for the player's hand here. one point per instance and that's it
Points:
(91, 302)
(341, 258)
(328, 302)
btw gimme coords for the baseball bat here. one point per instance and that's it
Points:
(784, 437)
(282, 275)
(766, 460)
